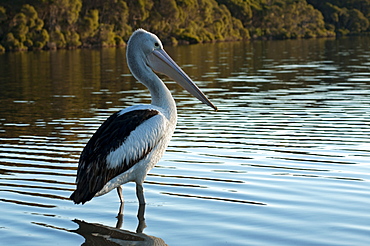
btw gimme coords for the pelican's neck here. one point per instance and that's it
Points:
(161, 96)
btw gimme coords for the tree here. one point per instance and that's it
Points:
(355, 21)
(89, 26)
(347, 17)
(36, 24)
(290, 19)
(36, 37)
(72, 39)
(11, 43)
(240, 9)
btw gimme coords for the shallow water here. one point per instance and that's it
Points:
(285, 160)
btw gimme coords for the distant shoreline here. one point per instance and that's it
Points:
(39, 25)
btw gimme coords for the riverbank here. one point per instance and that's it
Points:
(70, 24)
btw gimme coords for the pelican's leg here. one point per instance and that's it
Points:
(119, 191)
(140, 193)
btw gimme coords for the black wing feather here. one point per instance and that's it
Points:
(92, 173)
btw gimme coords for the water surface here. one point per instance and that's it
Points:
(285, 160)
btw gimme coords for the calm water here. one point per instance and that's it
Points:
(285, 161)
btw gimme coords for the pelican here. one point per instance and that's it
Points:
(131, 141)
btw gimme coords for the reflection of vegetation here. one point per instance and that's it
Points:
(53, 24)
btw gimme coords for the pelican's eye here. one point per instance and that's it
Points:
(156, 44)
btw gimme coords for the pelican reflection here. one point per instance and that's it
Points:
(97, 234)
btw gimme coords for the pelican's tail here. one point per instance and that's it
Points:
(81, 197)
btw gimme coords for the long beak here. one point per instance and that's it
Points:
(161, 62)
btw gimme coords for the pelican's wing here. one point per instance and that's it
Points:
(119, 143)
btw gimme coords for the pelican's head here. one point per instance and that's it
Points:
(145, 49)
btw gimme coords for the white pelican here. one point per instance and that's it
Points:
(130, 142)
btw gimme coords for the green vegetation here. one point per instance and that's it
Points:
(349, 17)
(55, 24)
